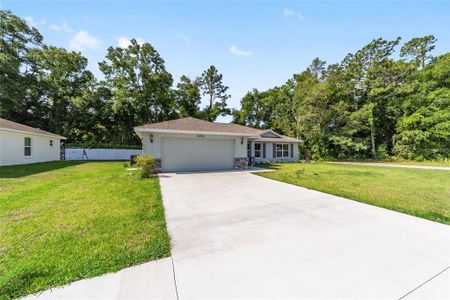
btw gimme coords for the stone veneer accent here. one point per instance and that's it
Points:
(240, 162)
(158, 165)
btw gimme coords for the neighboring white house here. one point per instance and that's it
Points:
(191, 144)
(22, 144)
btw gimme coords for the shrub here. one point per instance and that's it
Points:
(382, 152)
(133, 159)
(147, 164)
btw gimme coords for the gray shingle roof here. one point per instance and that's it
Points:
(7, 124)
(193, 124)
(197, 125)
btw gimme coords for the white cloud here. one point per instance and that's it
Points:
(34, 23)
(83, 40)
(239, 52)
(292, 13)
(184, 38)
(124, 42)
(31, 21)
(64, 27)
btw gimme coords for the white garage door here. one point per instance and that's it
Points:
(180, 154)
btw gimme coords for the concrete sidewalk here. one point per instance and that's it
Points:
(152, 280)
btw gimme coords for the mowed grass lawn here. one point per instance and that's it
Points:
(63, 221)
(418, 192)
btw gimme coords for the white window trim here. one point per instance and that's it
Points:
(260, 150)
(282, 151)
(31, 147)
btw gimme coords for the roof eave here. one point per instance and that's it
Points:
(239, 134)
(257, 137)
(280, 140)
(35, 133)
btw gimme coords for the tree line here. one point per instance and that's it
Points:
(375, 103)
(51, 88)
(372, 104)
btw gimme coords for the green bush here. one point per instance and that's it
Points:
(382, 152)
(147, 165)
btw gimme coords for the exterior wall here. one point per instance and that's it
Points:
(12, 148)
(151, 144)
(240, 147)
(154, 148)
(269, 154)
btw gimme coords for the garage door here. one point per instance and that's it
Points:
(180, 154)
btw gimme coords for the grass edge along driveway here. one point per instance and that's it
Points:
(418, 192)
(64, 221)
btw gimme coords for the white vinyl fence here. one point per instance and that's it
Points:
(100, 154)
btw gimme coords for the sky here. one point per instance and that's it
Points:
(254, 44)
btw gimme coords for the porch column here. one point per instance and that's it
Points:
(251, 161)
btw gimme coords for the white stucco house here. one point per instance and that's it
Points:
(190, 144)
(22, 144)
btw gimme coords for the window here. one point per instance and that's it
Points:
(257, 150)
(282, 150)
(51, 143)
(27, 146)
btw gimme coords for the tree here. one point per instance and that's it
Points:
(16, 39)
(357, 69)
(368, 105)
(311, 100)
(216, 92)
(253, 110)
(140, 86)
(188, 97)
(91, 118)
(418, 50)
(423, 132)
(63, 77)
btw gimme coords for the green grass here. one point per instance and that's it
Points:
(430, 163)
(64, 221)
(418, 192)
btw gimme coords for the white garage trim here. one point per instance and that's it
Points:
(193, 154)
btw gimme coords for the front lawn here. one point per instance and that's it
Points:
(63, 221)
(427, 163)
(418, 192)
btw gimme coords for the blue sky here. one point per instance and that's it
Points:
(254, 44)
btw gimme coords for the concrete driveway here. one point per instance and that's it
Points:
(238, 235)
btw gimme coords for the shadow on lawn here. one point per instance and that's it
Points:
(31, 169)
(269, 166)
